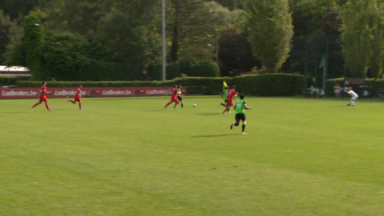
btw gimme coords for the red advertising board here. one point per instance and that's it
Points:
(14, 93)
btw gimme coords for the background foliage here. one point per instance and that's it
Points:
(126, 36)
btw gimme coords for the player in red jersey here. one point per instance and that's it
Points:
(173, 97)
(77, 97)
(43, 96)
(231, 93)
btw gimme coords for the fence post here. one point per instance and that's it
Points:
(345, 56)
(306, 67)
(326, 66)
(316, 71)
(290, 61)
(365, 54)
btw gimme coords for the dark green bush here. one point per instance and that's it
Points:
(7, 81)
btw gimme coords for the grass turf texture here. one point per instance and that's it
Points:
(129, 156)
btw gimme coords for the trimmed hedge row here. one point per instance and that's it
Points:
(257, 85)
(6, 81)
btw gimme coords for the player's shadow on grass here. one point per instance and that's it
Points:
(213, 135)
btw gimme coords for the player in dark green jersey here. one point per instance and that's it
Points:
(240, 107)
(179, 95)
(225, 97)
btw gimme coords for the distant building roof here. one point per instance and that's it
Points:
(13, 71)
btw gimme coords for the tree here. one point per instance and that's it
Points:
(192, 30)
(231, 4)
(307, 15)
(132, 34)
(9, 31)
(235, 52)
(330, 24)
(33, 40)
(376, 41)
(17, 8)
(80, 16)
(363, 29)
(195, 24)
(270, 25)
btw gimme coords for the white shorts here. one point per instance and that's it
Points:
(354, 97)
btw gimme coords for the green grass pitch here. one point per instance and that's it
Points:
(129, 156)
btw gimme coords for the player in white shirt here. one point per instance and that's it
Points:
(354, 96)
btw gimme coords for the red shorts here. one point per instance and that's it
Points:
(230, 102)
(77, 99)
(174, 99)
(43, 98)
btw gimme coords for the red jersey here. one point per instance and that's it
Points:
(174, 93)
(78, 92)
(43, 91)
(231, 93)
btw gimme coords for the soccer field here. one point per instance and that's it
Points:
(129, 156)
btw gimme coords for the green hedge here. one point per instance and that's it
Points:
(258, 85)
(6, 81)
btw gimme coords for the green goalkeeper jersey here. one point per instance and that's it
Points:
(240, 106)
(178, 94)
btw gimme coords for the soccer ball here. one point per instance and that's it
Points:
(194, 105)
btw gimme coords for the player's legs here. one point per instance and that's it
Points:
(168, 104)
(176, 102)
(38, 103)
(242, 117)
(71, 101)
(239, 117)
(229, 104)
(77, 99)
(172, 100)
(243, 128)
(181, 101)
(46, 105)
(352, 101)
(226, 109)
